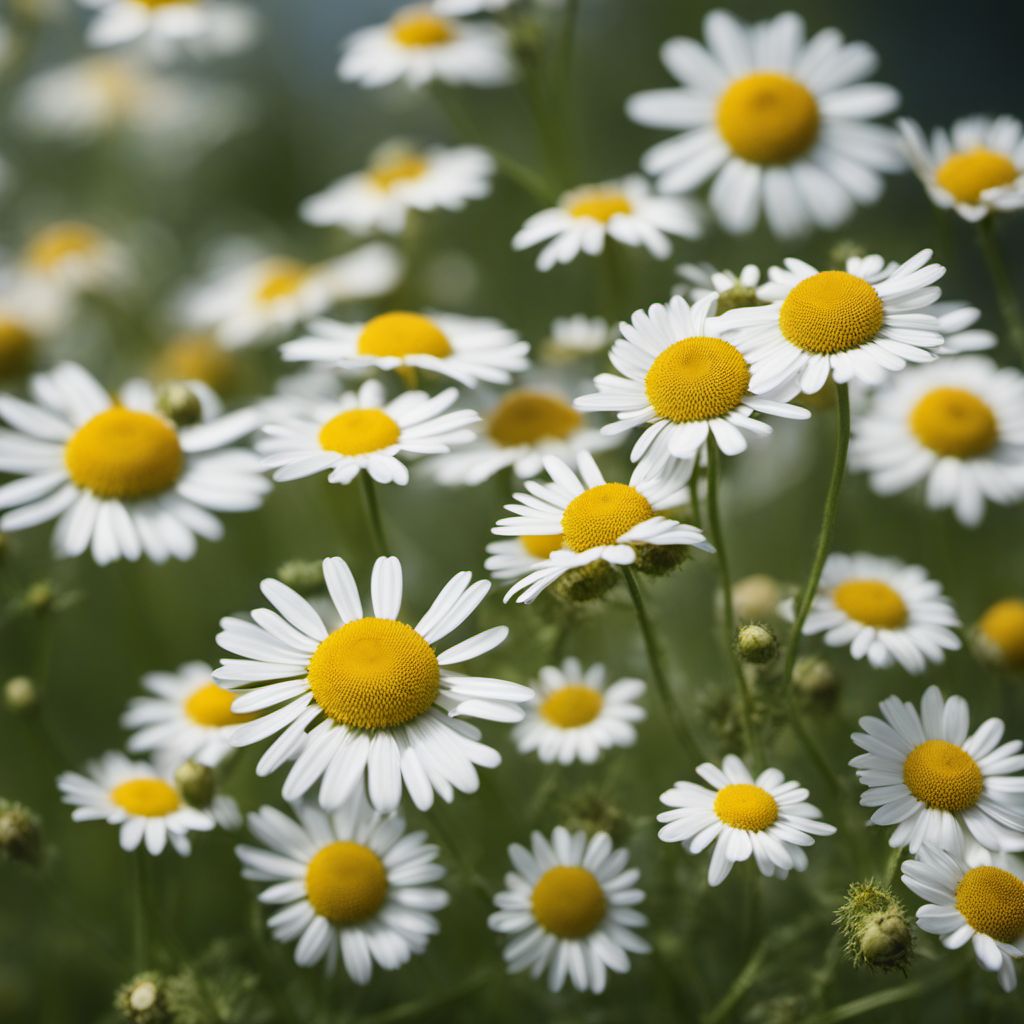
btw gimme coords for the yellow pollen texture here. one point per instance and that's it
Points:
(147, 798)
(697, 379)
(55, 243)
(374, 674)
(746, 806)
(568, 902)
(359, 431)
(872, 602)
(831, 312)
(572, 706)
(346, 883)
(942, 775)
(402, 334)
(768, 118)
(541, 547)
(952, 421)
(1003, 625)
(124, 454)
(395, 168)
(283, 278)
(602, 514)
(598, 204)
(15, 347)
(992, 902)
(526, 417)
(966, 175)
(211, 705)
(418, 27)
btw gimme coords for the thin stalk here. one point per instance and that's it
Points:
(1009, 304)
(876, 1000)
(698, 519)
(470, 875)
(380, 541)
(140, 911)
(893, 865)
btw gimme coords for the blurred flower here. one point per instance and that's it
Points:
(64, 259)
(461, 8)
(733, 290)
(143, 1000)
(20, 695)
(956, 325)
(756, 597)
(200, 357)
(29, 317)
(998, 636)
(21, 837)
(579, 335)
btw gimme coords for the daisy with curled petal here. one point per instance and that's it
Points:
(764, 817)
(569, 908)
(120, 479)
(934, 782)
(352, 882)
(781, 122)
(625, 211)
(362, 431)
(69, 258)
(685, 383)
(371, 698)
(957, 326)
(133, 795)
(855, 324)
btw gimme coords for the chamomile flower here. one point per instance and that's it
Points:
(782, 123)
(934, 782)
(29, 318)
(976, 168)
(133, 795)
(512, 559)
(69, 258)
(625, 211)
(462, 8)
(576, 336)
(197, 356)
(120, 478)
(701, 279)
(371, 698)
(569, 908)
(998, 636)
(883, 610)
(764, 817)
(854, 324)
(957, 326)
(418, 46)
(468, 349)
(596, 520)
(352, 883)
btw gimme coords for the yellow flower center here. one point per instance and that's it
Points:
(831, 312)
(1003, 625)
(124, 454)
(15, 347)
(210, 705)
(768, 118)
(568, 902)
(992, 902)
(541, 547)
(394, 168)
(943, 775)
(872, 602)
(359, 431)
(746, 806)
(526, 417)
(147, 798)
(403, 334)
(697, 379)
(56, 243)
(374, 674)
(418, 27)
(601, 515)
(599, 204)
(163, 3)
(966, 175)
(572, 706)
(952, 421)
(283, 278)
(196, 357)
(346, 883)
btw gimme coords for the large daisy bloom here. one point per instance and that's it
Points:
(781, 123)
(683, 382)
(625, 211)
(140, 800)
(418, 46)
(976, 168)
(364, 432)
(372, 698)
(854, 324)
(399, 181)
(934, 782)
(764, 817)
(468, 349)
(353, 883)
(957, 426)
(569, 907)
(72, 257)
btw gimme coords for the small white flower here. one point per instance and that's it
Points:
(701, 279)
(69, 258)
(578, 335)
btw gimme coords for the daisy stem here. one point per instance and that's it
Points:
(695, 501)
(886, 997)
(380, 540)
(140, 911)
(1009, 304)
(892, 865)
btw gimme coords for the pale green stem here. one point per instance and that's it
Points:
(1009, 304)
(373, 516)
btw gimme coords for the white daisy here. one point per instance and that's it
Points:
(782, 123)
(766, 817)
(71, 257)
(142, 801)
(462, 8)
(353, 883)
(957, 325)
(569, 907)
(29, 317)
(120, 478)
(701, 279)
(512, 559)
(198, 356)
(625, 211)
(571, 337)
(370, 698)
(999, 634)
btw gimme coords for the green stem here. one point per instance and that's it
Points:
(380, 541)
(877, 1000)
(614, 302)
(695, 499)
(741, 985)
(469, 874)
(893, 865)
(141, 910)
(1009, 304)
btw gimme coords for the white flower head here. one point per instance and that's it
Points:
(69, 258)
(701, 279)
(572, 337)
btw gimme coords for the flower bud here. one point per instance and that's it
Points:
(20, 834)
(876, 927)
(20, 695)
(756, 598)
(592, 811)
(179, 403)
(738, 297)
(304, 575)
(197, 784)
(846, 249)
(660, 559)
(40, 597)
(585, 582)
(142, 1000)
(815, 680)
(756, 644)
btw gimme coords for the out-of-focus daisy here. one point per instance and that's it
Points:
(999, 634)
(418, 46)
(956, 425)
(197, 356)
(469, 349)
(976, 168)
(512, 559)
(29, 317)
(142, 801)
(858, 323)
(462, 8)
(120, 478)
(625, 211)
(372, 698)
(71, 257)
(764, 817)
(926, 776)
(572, 337)
(353, 883)
(782, 123)
(701, 279)
(569, 907)
(400, 180)
(957, 326)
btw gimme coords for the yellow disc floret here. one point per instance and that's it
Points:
(393, 168)
(16, 343)
(1002, 625)
(768, 118)
(831, 312)
(541, 547)
(281, 280)
(61, 241)
(568, 902)
(416, 26)
(943, 775)
(402, 334)
(745, 806)
(572, 706)
(598, 203)
(872, 602)
(697, 379)
(966, 175)
(526, 417)
(992, 902)
(147, 798)
(358, 431)
(210, 705)
(346, 883)
(602, 514)
(952, 421)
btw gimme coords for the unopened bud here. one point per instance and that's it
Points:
(585, 582)
(40, 597)
(756, 597)
(197, 784)
(815, 680)
(738, 297)
(660, 559)
(876, 927)
(20, 834)
(179, 403)
(592, 811)
(304, 575)
(756, 644)
(143, 1000)
(20, 694)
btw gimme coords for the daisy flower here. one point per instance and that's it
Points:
(142, 801)
(462, 8)
(120, 478)
(569, 907)
(957, 326)
(625, 211)
(511, 559)
(71, 257)
(926, 776)
(766, 817)
(701, 279)
(684, 383)
(852, 324)
(197, 356)
(418, 46)
(29, 316)
(371, 698)
(571, 337)
(401, 180)
(468, 349)
(999, 634)
(353, 883)
(597, 520)
(780, 122)
(976, 168)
